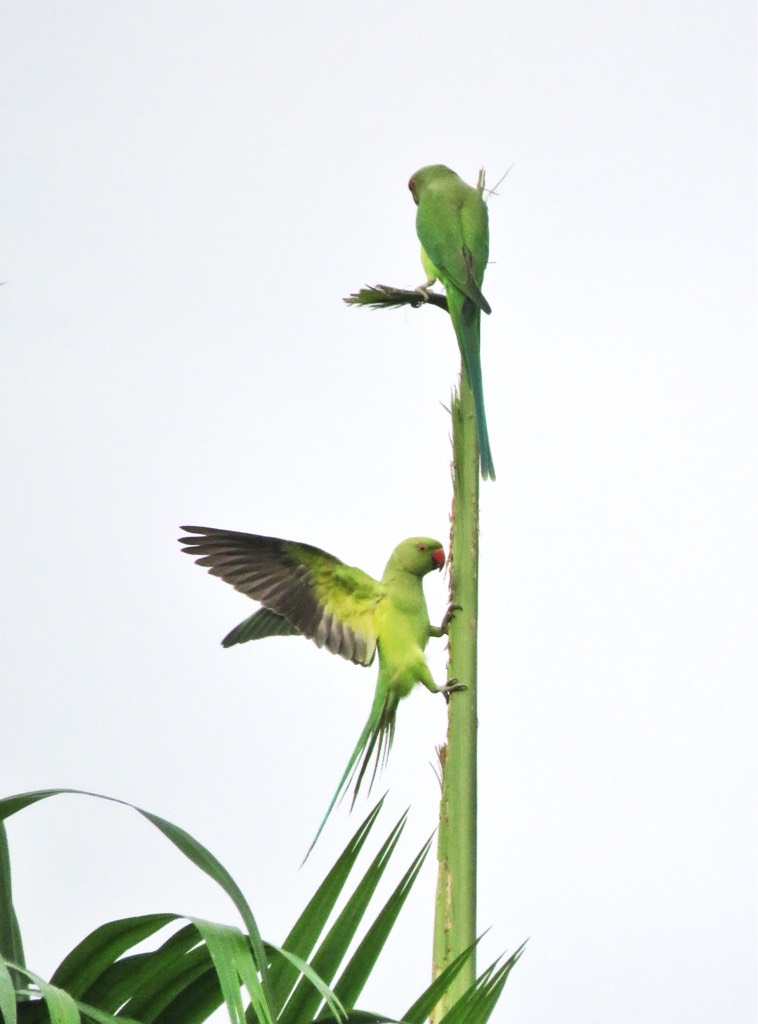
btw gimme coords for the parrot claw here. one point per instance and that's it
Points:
(423, 289)
(449, 616)
(452, 686)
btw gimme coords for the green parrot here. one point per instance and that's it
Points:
(453, 228)
(306, 591)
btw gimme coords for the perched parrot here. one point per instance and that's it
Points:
(453, 228)
(306, 591)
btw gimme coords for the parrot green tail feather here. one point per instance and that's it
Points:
(374, 743)
(466, 316)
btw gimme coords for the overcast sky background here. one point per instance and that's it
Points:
(189, 190)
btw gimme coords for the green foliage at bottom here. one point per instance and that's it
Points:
(200, 965)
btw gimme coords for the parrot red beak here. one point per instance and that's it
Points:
(439, 558)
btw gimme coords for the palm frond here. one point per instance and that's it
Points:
(384, 296)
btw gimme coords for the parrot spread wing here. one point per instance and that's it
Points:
(315, 593)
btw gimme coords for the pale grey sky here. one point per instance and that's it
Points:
(189, 191)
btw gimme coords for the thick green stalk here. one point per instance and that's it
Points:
(455, 915)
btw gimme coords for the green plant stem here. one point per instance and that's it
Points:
(455, 913)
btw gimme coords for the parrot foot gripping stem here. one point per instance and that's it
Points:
(449, 616)
(452, 686)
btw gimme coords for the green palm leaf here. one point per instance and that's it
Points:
(84, 964)
(304, 1001)
(60, 1007)
(11, 946)
(363, 961)
(7, 994)
(426, 1002)
(192, 849)
(304, 935)
(150, 981)
(476, 1004)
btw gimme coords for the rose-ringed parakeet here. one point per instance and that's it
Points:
(306, 591)
(453, 228)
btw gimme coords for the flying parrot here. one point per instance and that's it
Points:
(307, 592)
(453, 228)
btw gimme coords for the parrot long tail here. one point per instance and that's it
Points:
(466, 323)
(373, 744)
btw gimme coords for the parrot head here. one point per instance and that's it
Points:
(419, 555)
(425, 176)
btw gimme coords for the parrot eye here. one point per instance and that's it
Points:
(422, 547)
